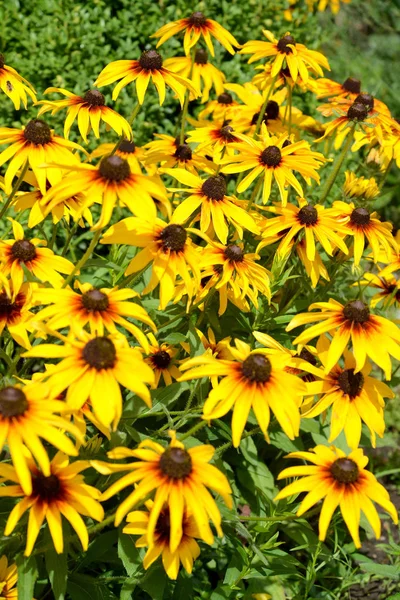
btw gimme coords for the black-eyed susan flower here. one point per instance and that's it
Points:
(370, 334)
(185, 554)
(15, 86)
(306, 221)
(224, 107)
(38, 145)
(167, 246)
(28, 413)
(100, 308)
(169, 152)
(264, 80)
(214, 139)
(341, 480)
(363, 225)
(217, 209)
(219, 349)
(72, 208)
(126, 149)
(181, 477)
(315, 269)
(15, 311)
(61, 493)
(355, 398)
(195, 26)
(106, 183)
(326, 88)
(254, 379)
(163, 360)
(203, 75)
(148, 67)
(93, 368)
(287, 52)
(88, 110)
(8, 579)
(41, 262)
(273, 159)
(236, 275)
(360, 188)
(388, 286)
(322, 5)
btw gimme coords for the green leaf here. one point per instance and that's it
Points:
(387, 571)
(57, 569)
(129, 554)
(27, 575)
(154, 582)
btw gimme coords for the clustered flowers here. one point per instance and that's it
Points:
(223, 215)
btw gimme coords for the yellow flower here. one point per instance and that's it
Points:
(126, 149)
(326, 88)
(341, 480)
(195, 26)
(41, 262)
(101, 308)
(89, 110)
(224, 107)
(286, 52)
(15, 310)
(8, 580)
(360, 187)
(169, 152)
(163, 361)
(185, 554)
(388, 285)
(334, 5)
(370, 335)
(106, 183)
(167, 246)
(61, 493)
(28, 413)
(217, 210)
(214, 139)
(15, 86)
(273, 158)
(255, 379)
(179, 476)
(37, 144)
(149, 66)
(354, 397)
(365, 225)
(93, 368)
(200, 72)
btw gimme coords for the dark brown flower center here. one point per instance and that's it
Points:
(151, 60)
(345, 470)
(283, 44)
(357, 112)
(47, 488)
(23, 250)
(360, 216)
(307, 356)
(367, 100)
(226, 133)
(127, 146)
(352, 85)
(272, 110)
(161, 359)
(94, 98)
(2, 61)
(356, 311)
(234, 253)
(286, 143)
(183, 152)
(114, 168)
(100, 353)
(176, 463)
(214, 187)
(37, 132)
(225, 98)
(271, 156)
(173, 238)
(95, 300)
(163, 527)
(197, 19)
(308, 215)
(257, 368)
(351, 383)
(201, 57)
(13, 402)
(7, 307)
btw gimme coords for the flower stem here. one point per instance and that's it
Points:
(14, 190)
(264, 106)
(133, 116)
(255, 193)
(84, 258)
(386, 173)
(290, 109)
(186, 102)
(337, 165)
(193, 430)
(70, 235)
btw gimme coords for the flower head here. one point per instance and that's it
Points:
(200, 72)
(162, 359)
(15, 86)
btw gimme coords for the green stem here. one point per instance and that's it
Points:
(221, 449)
(386, 173)
(264, 106)
(84, 258)
(70, 235)
(14, 190)
(337, 165)
(53, 236)
(131, 279)
(254, 195)
(133, 116)
(193, 430)
(290, 109)
(186, 102)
